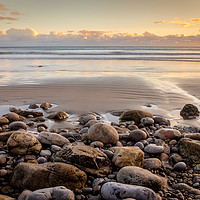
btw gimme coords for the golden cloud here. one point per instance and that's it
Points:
(8, 18)
(195, 20)
(15, 13)
(2, 7)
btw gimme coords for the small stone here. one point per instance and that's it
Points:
(137, 135)
(17, 125)
(33, 106)
(180, 166)
(45, 153)
(41, 160)
(166, 133)
(40, 129)
(161, 121)
(45, 105)
(97, 144)
(13, 109)
(60, 115)
(147, 121)
(2, 159)
(55, 148)
(152, 163)
(3, 172)
(3, 120)
(39, 119)
(185, 187)
(91, 122)
(154, 149)
(12, 117)
(140, 145)
(86, 118)
(189, 111)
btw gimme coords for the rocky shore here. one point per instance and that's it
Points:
(47, 155)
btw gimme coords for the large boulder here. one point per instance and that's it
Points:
(52, 139)
(38, 176)
(128, 156)
(190, 148)
(23, 143)
(134, 115)
(102, 132)
(138, 176)
(54, 193)
(118, 191)
(85, 157)
(189, 111)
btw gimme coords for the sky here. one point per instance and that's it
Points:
(100, 22)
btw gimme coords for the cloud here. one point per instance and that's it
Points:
(8, 18)
(176, 21)
(15, 13)
(2, 7)
(195, 20)
(29, 36)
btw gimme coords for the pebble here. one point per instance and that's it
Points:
(45, 153)
(180, 166)
(17, 125)
(147, 121)
(140, 145)
(137, 135)
(41, 160)
(154, 149)
(2, 159)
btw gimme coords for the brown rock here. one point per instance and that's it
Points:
(26, 113)
(33, 106)
(85, 157)
(4, 197)
(60, 115)
(5, 135)
(134, 115)
(189, 111)
(3, 120)
(128, 156)
(23, 143)
(17, 126)
(45, 105)
(12, 117)
(152, 163)
(38, 176)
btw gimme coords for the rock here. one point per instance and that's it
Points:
(26, 113)
(4, 197)
(137, 135)
(85, 157)
(45, 153)
(54, 193)
(189, 148)
(39, 119)
(52, 139)
(12, 117)
(175, 158)
(167, 133)
(5, 135)
(91, 122)
(180, 166)
(195, 136)
(161, 121)
(33, 106)
(140, 145)
(17, 125)
(137, 176)
(45, 105)
(86, 118)
(41, 160)
(118, 191)
(134, 115)
(60, 115)
(3, 172)
(189, 111)
(2, 159)
(3, 120)
(55, 148)
(153, 148)
(147, 121)
(152, 163)
(128, 156)
(38, 176)
(101, 132)
(185, 187)
(23, 143)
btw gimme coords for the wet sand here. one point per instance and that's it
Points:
(80, 95)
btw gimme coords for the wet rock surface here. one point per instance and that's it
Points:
(136, 156)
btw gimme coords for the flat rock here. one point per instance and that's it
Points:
(152, 163)
(185, 187)
(101, 132)
(190, 148)
(138, 176)
(154, 149)
(118, 191)
(189, 111)
(23, 143)
(17, 125)
(85, 157)
(52, 139)
(26, 113)
(128, 156)
(38, 176)
(195, 136)
(54, 193)
(167, 133)
(134, 115)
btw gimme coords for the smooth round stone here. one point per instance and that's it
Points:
(45, 153)
(180, 166)
(140, 145)
(12, 116)
(117, 191)
(147, 121)
(152, 163)
(2, 159)
(83, 130)
(4, 120)
(3, 172)
(167, 133)
(55, 148)
(17, 125)
(152, 148)
(86, 118)
(97, 144)
(41, 160)
(137, 135)
(40, 129)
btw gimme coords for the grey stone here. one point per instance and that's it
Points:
(137, 135)
(152, 163)
(180, 166)
(154, 149)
